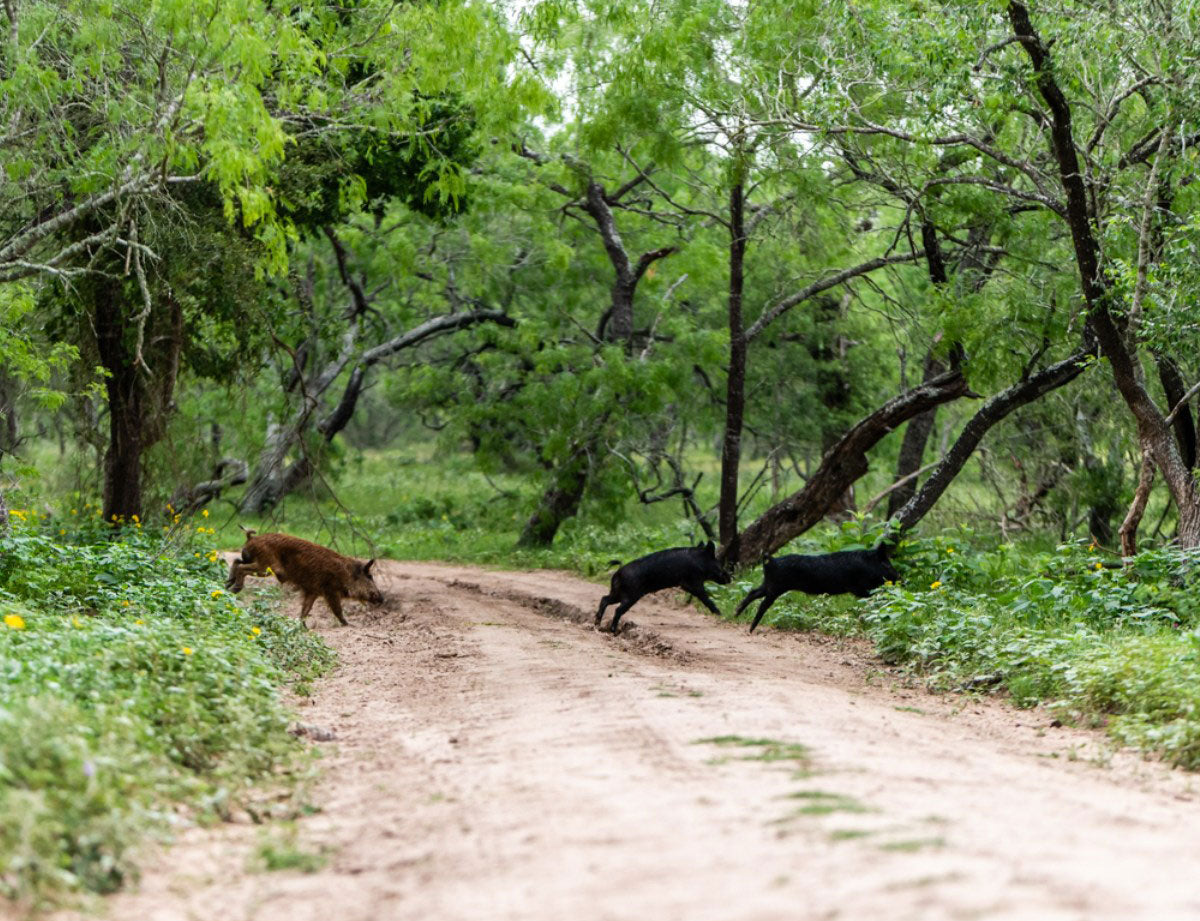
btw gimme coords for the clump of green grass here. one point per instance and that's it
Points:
(911, 845)
(129, 682)
(818, 802)
(279, 849)
(769, 750)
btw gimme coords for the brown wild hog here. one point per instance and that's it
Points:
(317, 571)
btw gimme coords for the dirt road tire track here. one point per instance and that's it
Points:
(496, 758)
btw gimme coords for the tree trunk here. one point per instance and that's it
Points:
(559, 502)
(561, 499)
(1175, 389)
(912, 448)
(265, 490)
(844, 463)
(273, 478)
(1154, 435)
(1133, 518)
(10, 431)
(993, 411)
(122, 497)
(731, 450)
(916, 433)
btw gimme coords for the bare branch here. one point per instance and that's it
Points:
(774, 312)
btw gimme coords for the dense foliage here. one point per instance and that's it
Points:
(131, 685)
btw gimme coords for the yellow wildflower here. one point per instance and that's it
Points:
(187, 650)
(217, 593)
(1099, 566)
(140, 622)
(14, 621)
(62, 531)
(256, 630)
(949, 549)
(76, 622)
(170, 508)
(204, 513)
(74, 511)
(135, 518)
(127, 602)
(937, 584)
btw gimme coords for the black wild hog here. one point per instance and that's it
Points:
(856, 572)
(317, 571)
(687, 568)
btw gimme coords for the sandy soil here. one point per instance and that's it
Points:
(495, 758)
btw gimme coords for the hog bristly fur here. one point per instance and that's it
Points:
(316, 571)
(856, 572)
(680, 567)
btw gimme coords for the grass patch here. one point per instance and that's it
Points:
(818, 802)
(911, 845)
(131, 686)
(768, 749)
(849, 834)
(279, 849)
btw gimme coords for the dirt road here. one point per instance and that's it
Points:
(495, 758)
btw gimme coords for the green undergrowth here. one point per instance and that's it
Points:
(134, 694)
(1102, 644)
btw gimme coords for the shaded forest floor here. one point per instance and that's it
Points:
(494, 757)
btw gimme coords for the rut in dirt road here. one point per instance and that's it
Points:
(496, 758)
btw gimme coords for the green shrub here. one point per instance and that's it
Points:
(129, 680)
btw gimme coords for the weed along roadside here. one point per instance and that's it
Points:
(135, 698)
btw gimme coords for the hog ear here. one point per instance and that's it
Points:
(367, 566)
(710, 549)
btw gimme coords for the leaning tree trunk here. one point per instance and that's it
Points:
(842, 465)
(559, 502)
(273, 476)
(735, 404)
(995, 409)
(1154, 434)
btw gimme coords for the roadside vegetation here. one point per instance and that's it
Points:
(134, 695)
